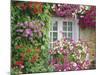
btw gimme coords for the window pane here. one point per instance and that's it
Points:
(65, 34)
(70, 35)
(64, 26)
(55, 36)
(55, 26)
(69, 26)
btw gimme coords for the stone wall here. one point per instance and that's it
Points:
(89, 35)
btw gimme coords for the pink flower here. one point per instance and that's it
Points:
(28, 32)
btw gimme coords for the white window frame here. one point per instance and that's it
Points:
(75, 27)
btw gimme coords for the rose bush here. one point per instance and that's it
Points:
(69, 56)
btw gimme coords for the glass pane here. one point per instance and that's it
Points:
(69, 26)
(70, 35)
(64, 26)
(55, 26)
(55, 36)
(65, 34)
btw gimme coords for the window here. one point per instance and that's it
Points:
(68, 27)
(67, 30)
(53, 33)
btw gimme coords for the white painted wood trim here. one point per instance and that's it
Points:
(75, 27)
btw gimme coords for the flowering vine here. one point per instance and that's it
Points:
(65, 10)
(87, 17)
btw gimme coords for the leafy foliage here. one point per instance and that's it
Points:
(29, 37)
(30, 24)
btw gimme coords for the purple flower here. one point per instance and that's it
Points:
(25, 23)
(19, 30)
(28, 32)
(20, 24)
(53, 61)
(31, 25)
(35, 30)
(58, 67)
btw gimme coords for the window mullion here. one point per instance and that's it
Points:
(67, 29)
(60, 29)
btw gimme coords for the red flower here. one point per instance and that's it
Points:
(19, 63)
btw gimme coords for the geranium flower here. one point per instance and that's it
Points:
(19, 63)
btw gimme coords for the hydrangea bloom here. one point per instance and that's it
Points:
(30, 29)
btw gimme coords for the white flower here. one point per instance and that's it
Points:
(87, 56)
(74, 64)
(59, 52)
(71, 47)
(22, 66)
(59, 70)
(80, 51)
